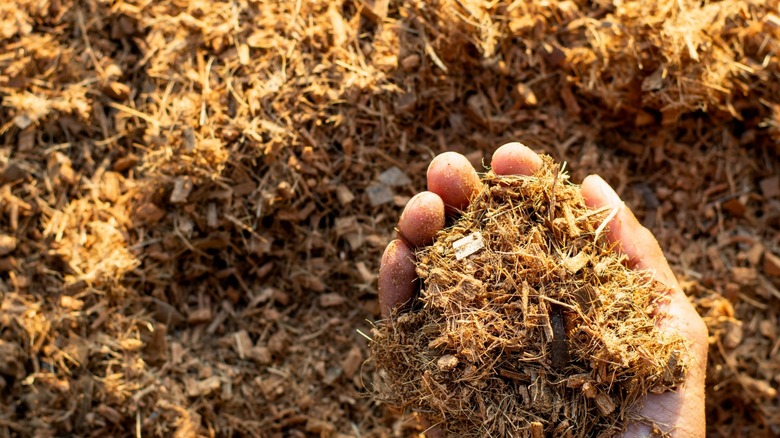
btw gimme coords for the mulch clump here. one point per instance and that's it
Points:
(537, 326)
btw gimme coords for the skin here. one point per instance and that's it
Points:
(451, 182)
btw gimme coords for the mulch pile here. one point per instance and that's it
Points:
(194, 195)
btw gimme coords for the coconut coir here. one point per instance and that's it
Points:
(539, 329)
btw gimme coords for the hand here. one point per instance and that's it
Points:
(452, 181)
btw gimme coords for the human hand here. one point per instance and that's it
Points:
(452, 181)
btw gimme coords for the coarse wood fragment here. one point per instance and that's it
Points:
(394, 177)
(344, 195)
(379, 194)
(526, 95)
(375, 10)
(735, 207)
(7, 244)
(770, 187)
(244, 344)
(198, 316)
(150, 213)
(771, 264)
(182, 187)
(331, 300)
(352, 361)
(11, 173)
(468, 245)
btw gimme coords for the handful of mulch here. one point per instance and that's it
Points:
(528, 322)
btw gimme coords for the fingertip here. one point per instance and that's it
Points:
(397, 277)
(421, 219)
(515, 159)
(625, 230)
(453, 178)
(598, 193)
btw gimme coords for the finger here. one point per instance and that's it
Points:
(453, 178)
(422, 218)
(624, 230)
(397, 277)
(515, 159)
(644, 252)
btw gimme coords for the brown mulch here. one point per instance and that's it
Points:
(194, 195)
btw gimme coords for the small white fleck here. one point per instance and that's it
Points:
(468, 245)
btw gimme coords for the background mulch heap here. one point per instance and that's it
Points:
(194, 196)
(543, 331)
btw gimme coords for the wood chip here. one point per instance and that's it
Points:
(324, 428)
(125, 163)
(772, 23)
(771, 265)
(243, 344)
(405, 104)
(149, 213)
(735, 207)
(526, 95)
(447, 363)
(734, 334)
(110, 186)
(744, 276)
(576, 263)
(344, 195)
(755, 253)
(199, 316)
(537, 429)
(411, 62)
(352, 361)
(394, 177)
(375, 10)
(109, 413)
(331, 300)
(198, 388)
(770, 187)
(167, 314)
(182, 187)
(468, 245)
(11, 173)
(379, 194)
(7, 244)
(261, 355)
(71, 303)
(605, 404)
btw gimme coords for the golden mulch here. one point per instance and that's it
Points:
(194, 195)
(542, 330)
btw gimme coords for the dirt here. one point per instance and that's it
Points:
(194, 196)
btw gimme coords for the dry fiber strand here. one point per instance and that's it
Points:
(544, 327)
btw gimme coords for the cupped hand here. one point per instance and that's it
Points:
(452, 182)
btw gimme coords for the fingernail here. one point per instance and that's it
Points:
(607, 193)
